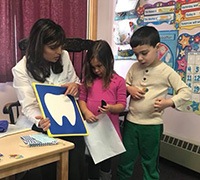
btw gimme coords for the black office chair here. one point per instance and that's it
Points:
(77, 49)
(10, 108)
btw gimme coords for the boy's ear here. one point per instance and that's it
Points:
(157, 45)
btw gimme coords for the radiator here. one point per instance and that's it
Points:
(182, 152)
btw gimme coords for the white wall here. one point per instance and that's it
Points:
(179, 124)
(105, 19)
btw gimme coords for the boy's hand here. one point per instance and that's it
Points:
(161, 103)
(135, 92)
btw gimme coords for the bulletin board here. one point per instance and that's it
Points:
(178, 23)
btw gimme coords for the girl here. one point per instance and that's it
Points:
(101, 82)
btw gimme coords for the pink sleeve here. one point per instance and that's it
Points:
(121, 92)
(82, 93)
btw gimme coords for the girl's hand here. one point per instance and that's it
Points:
(112, 108)
(105, 108)
(72, 88)
(161, 103)
(135, 92)
(44, 123)
(90, 117)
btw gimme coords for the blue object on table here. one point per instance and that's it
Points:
(3, 125)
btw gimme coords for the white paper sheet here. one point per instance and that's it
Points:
(103, 141)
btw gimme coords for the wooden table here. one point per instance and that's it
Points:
(32, 156)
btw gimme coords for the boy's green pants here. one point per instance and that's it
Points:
(143, 140)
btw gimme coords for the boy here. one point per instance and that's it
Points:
(147, 82)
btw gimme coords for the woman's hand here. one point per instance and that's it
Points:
(72, 88)
(44, 123)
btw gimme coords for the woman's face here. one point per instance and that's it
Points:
(52, 54)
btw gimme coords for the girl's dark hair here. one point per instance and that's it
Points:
(146, 35)
(43, 32)
(102, 51)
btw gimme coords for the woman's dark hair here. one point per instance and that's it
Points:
(44, 32)
(102, 51)
(146, 35)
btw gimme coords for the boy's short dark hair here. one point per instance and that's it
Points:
(146, 35)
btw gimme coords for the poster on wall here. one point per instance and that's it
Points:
(122, 32)
(123, 28)
(187, 14)
(157, 13)
(125, 9)
(188, 66)
(167, 49)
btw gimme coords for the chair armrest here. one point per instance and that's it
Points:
(8, 109)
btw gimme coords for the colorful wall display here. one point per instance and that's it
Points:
(178, 49)
(187, 14)
(167, 48)
(188, 66)
(157, 13)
